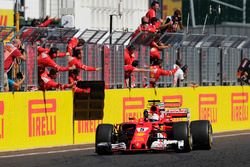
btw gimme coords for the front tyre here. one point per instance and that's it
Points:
(181, 131)
(104, 139)
(202, 134)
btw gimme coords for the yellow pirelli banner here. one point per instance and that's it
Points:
(6, 17)
(226, 107)
(35, 119)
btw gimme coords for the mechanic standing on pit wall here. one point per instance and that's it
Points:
(129, 70)
(73, 79)
(154, 7)
(11, 52)
(48, 83)
(144, 26)
(129, 54)
(75, 61)
(75, 44)
(46, 60)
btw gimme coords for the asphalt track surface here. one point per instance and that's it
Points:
(230, 149)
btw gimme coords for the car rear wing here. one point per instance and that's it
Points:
(178, 113)
(172, 104)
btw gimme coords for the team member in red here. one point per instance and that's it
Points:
(144, 26)
(129, 55)
(75, 61)
(46, 60)
(129, 77)
(155, 5)
(46, 22)
(155, 50)
(73, 79)
(156, 71)
(75, 43)
(47, 81)
(40, 50)
(11, 52)
(155, 23)
(36, 23)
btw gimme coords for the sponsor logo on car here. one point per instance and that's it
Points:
(173, 101)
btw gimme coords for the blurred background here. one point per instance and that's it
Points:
(95, 14)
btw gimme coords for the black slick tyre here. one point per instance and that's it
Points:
(181, 131)
(104, 139)
(202, 134)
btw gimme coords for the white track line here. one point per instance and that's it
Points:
(91, 148)
(48, 152)
(231, 135)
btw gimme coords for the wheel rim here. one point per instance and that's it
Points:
(210, 136)
(190, 141)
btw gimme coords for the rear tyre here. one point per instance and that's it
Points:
(105, 136)
(201, 131)
(181, 131)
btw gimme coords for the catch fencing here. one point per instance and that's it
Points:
(212, 60)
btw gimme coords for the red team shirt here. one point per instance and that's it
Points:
(75, 88)
(73, 61)
(72, 44)
(147, 27)
(127, 58)
(156, 72)
(151, 13)
(8, 61)
(47, 83)
(44, 60)
(128, 69)
(154, 51)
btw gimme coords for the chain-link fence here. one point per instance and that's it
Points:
(6, 33)
(1, 66)
(211, 59)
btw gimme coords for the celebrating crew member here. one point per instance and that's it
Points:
(47, 81)
(129, 70)
(156, 71)
(11, 52)
(75, 61)
(73, 79)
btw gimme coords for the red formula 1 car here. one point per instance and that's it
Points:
(156, 131)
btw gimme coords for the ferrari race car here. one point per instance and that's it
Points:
(157, 130)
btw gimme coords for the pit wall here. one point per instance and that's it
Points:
(37, 119)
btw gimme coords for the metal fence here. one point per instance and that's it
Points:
(93, 54)
(5, 34)
(227, 29)
(30, 67)
(1, 67)
(212, 59)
